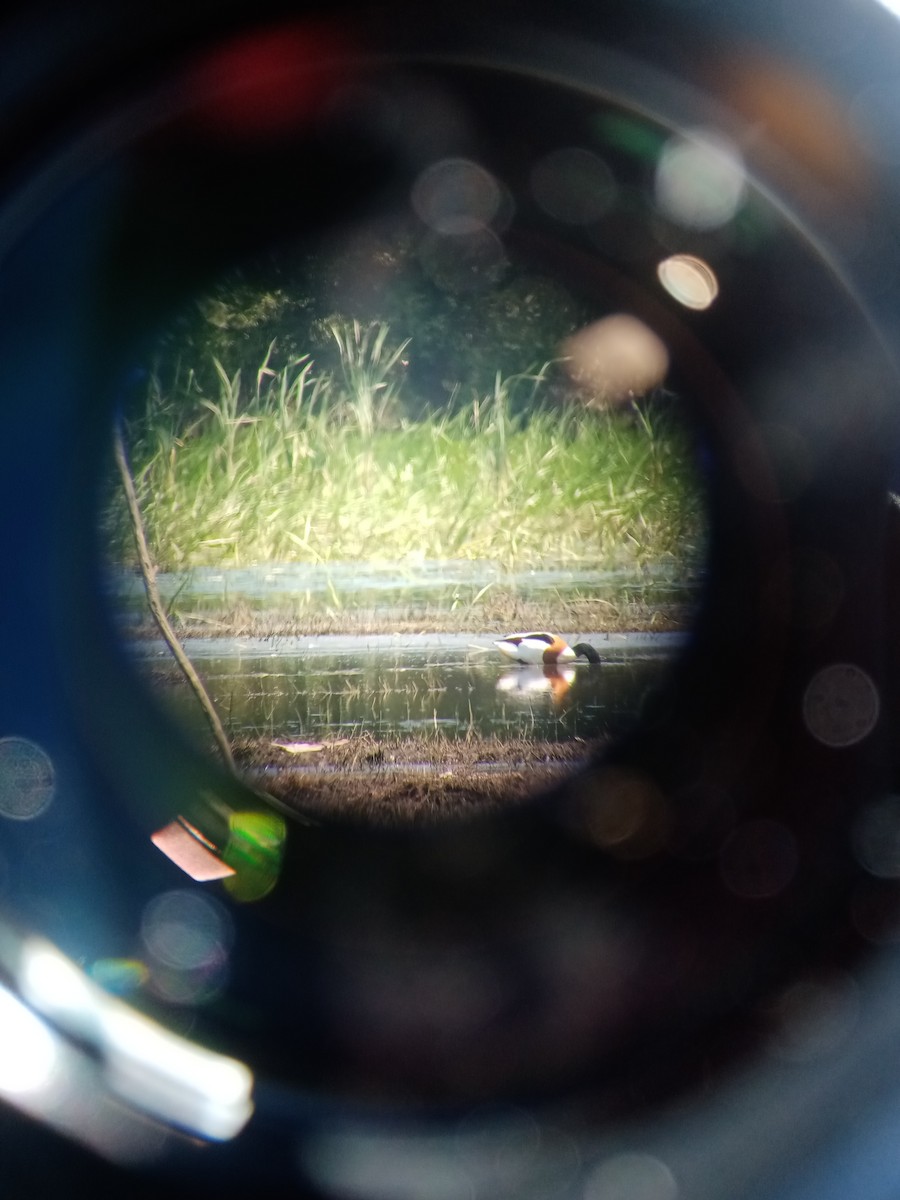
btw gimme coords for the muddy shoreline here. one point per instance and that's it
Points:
(601, 616)
(398, 781)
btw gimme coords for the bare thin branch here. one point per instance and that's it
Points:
(154, 600)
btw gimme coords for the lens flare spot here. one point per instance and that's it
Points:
(700, 180)
(690, 280)
(875, 910)
(876, 838)
(506, 1151)
(573, 185)
(627, 815)
(615, 359)
(461, 263)
(119, 976)
(375, 1165)
(631, 1177)
(841, 705)
(758, 860)
(813, 1018)
(456, 196)
(27, 779)
(817, 586)
(188, 939)
(185, 930)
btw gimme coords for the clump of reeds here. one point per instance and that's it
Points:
(301, 464)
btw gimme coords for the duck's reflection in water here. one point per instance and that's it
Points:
(528, 683)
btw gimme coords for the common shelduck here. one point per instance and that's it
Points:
(546, 648)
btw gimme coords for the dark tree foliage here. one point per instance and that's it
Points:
(469, 305)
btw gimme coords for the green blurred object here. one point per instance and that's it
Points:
(255, 850)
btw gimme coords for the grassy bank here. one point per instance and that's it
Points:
(298, 466)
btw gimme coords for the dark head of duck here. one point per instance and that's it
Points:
(583, 650)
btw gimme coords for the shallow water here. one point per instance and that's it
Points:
(384, 587)
(326, 687)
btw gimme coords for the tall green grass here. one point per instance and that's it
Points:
(296, 464)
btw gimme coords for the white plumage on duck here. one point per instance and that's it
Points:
(543, 648)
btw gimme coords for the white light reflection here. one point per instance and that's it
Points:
(28, 1053)
(175, 1079)
(700, 180)
(59, 1084)
(152, 1069)
(55, 986)
(690, 280)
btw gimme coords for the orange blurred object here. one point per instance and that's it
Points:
(191, 851)
(803, 118)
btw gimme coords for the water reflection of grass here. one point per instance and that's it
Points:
(295, 470)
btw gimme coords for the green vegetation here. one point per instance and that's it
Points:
(303, 464)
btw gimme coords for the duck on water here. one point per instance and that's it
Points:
(544, 648)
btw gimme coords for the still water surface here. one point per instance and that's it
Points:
(326, 686)
(389, 587)
(329, 686)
